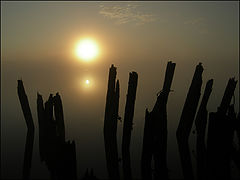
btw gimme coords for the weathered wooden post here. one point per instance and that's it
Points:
(58, 112)
(59, 155)
(235, 152)
(201, 123)
(127, 125)
(147, 149)
(110, 125)
(155, 132)
(159, 114)
(219, 141)
(186, 121)
(237, 127)
(30, 130)
(41, 125)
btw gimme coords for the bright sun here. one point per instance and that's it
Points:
(87, 49)
(87, 82)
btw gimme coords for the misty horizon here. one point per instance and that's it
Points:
(38, 41)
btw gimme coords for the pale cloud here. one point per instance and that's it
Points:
(126, 14)
(200, 23)
(195, 21)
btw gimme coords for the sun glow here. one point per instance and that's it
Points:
(87, 82)
(87, 49)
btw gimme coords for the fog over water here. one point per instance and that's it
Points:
(37, 46)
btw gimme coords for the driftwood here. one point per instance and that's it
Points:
(110, 125)
(220, 137)
(127, 126)
(30, 130)
(155, 133)
(186, 121)
(201, 123)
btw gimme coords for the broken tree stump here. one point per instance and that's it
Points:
(127, 125)
(59, 155)
(201, 123)
(235, 152)
(155, 132)
(30, 130)
(110, 125)
(58, 112)
(186, 121)
(41, 124)
(159, 116)
(147, 149)
(219, 140)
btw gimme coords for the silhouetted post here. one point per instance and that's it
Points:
(74, 161)
(186, 121)
(159, 115)
(201, 122)
(51, 124)
(114, 145)
(155, 132)
(219, 142)
(110, 125)
(237, 127)
(235, 152)
(67, 161)
(41, 124)
(30, 132)
(227, 97)
(58, 111)
(59, 155)
(147, 149)
(127, 126)
(49, 138)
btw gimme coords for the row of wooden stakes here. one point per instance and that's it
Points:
(213, 156)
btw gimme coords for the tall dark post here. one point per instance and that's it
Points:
(110, 125)
(186, 121)
(160, 125)
(127, 126)
(235, 152)
(219, 141)
(147, 149)
(228, 94)
(237, 127)
(58, 112)
(30, 132)
(114, 145)
(155, 132)
(41, 124)
(201, 123)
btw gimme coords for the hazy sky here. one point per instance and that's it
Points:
(38, 43)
